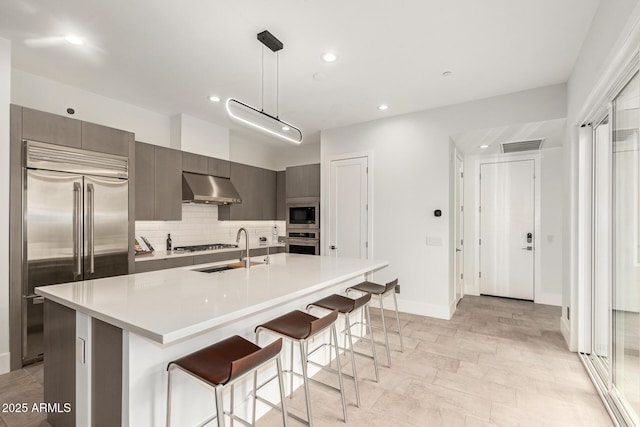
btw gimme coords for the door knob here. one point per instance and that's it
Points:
(528, 248)
(458, 250)
(332, 247)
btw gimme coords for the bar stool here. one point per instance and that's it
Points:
(225, 363)
(346, 306)
(299, 327)
(382, 291)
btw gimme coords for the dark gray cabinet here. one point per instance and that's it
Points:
(144, 181)
(195, 163)
(257, 188)
(158, 183)
(303, 181)
(47, 127)
(281, 213)
(205, 165)
(167, 190)
(105, 139)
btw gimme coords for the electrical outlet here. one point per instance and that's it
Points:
(397, 289)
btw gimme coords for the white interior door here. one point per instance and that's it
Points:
(507, 243)
(348, 201)
(459, 230)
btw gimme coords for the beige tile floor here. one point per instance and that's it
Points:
(497, 362)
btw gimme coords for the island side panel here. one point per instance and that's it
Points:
(60, 361)
(106, 374)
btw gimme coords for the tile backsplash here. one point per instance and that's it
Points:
(200, 225)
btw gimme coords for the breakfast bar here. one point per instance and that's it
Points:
(108, 341)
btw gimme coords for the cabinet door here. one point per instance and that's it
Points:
(281, 213)
(268, 194)
(195, 163)
(303, 181)
(247, 181)
(144, 181)
(167, 194)
(105, 139)
(219, 167)
(47, 127)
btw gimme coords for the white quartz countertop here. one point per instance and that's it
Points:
(169, 305)
(163, 254)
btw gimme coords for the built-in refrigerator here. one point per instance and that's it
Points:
(75, 225)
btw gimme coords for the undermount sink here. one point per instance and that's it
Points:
(221, 268)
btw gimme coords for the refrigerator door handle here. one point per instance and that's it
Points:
(77, 221)
(92, 199)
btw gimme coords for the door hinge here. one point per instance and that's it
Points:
(366, 169)
(461, 208)
(479, 241)
(462, 275)
(366, 207)
(479, 274)
(461, 242)
(479, 208)
(366, 245)
(568, 313)
(461, 174)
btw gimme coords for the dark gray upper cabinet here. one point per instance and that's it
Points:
(105, 139)
(52, 128)
(219, 167)
(167, 191)
(303, 181)
(205, 165)
(257, 188)
(158, 183)
(281, 213)
(195, 163)
(144, 181)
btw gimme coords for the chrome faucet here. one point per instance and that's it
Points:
(247, 262)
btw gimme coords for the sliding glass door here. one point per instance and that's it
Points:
(615, 338)
(626, 246)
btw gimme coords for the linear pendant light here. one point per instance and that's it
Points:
(258, 119)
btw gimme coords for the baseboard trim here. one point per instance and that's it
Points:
(548, 299)
(5, 363)
(431, 310)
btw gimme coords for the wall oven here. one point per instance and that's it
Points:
(303, 214)
(305, 242)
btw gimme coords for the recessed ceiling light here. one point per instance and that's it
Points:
(484, 146)
(329, 57)
(383, 107)
(446, 73)
(285, 128)
(214, 98)
(73, 39)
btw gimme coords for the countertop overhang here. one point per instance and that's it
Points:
(170, 305)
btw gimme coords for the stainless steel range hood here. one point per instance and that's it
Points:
(198, 188)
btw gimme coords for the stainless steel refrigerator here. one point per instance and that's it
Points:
(75, 225)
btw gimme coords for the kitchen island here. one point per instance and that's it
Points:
(108, 341)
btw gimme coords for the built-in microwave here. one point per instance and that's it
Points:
(303, 214)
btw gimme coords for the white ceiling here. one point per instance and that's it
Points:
(168, 56)
(469, 142)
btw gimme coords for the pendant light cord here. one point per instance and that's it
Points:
(277, 85)
(262, 81)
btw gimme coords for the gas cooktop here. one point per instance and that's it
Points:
(205, 247)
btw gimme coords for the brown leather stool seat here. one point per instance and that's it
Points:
(223, 363)
(346, 306)
(381, 291)
(299, 327)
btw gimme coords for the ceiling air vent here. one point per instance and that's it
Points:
(518, 146)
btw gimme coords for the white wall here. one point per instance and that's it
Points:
(412, 162)
(611, 38)
(5, 100)
(200, 137)
(40, 93)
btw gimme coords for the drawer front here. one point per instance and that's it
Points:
(163, 264)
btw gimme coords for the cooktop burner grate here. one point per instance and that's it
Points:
(205, 247)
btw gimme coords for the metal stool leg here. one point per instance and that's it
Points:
(291, 370)
(255, 390)
(283, 396)
(231, 404)
(395, 301)
(344, 402)
(384, 329)
(353, 359)
(219, 406)
(305, 379)
(373, 344)
(169, 398)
